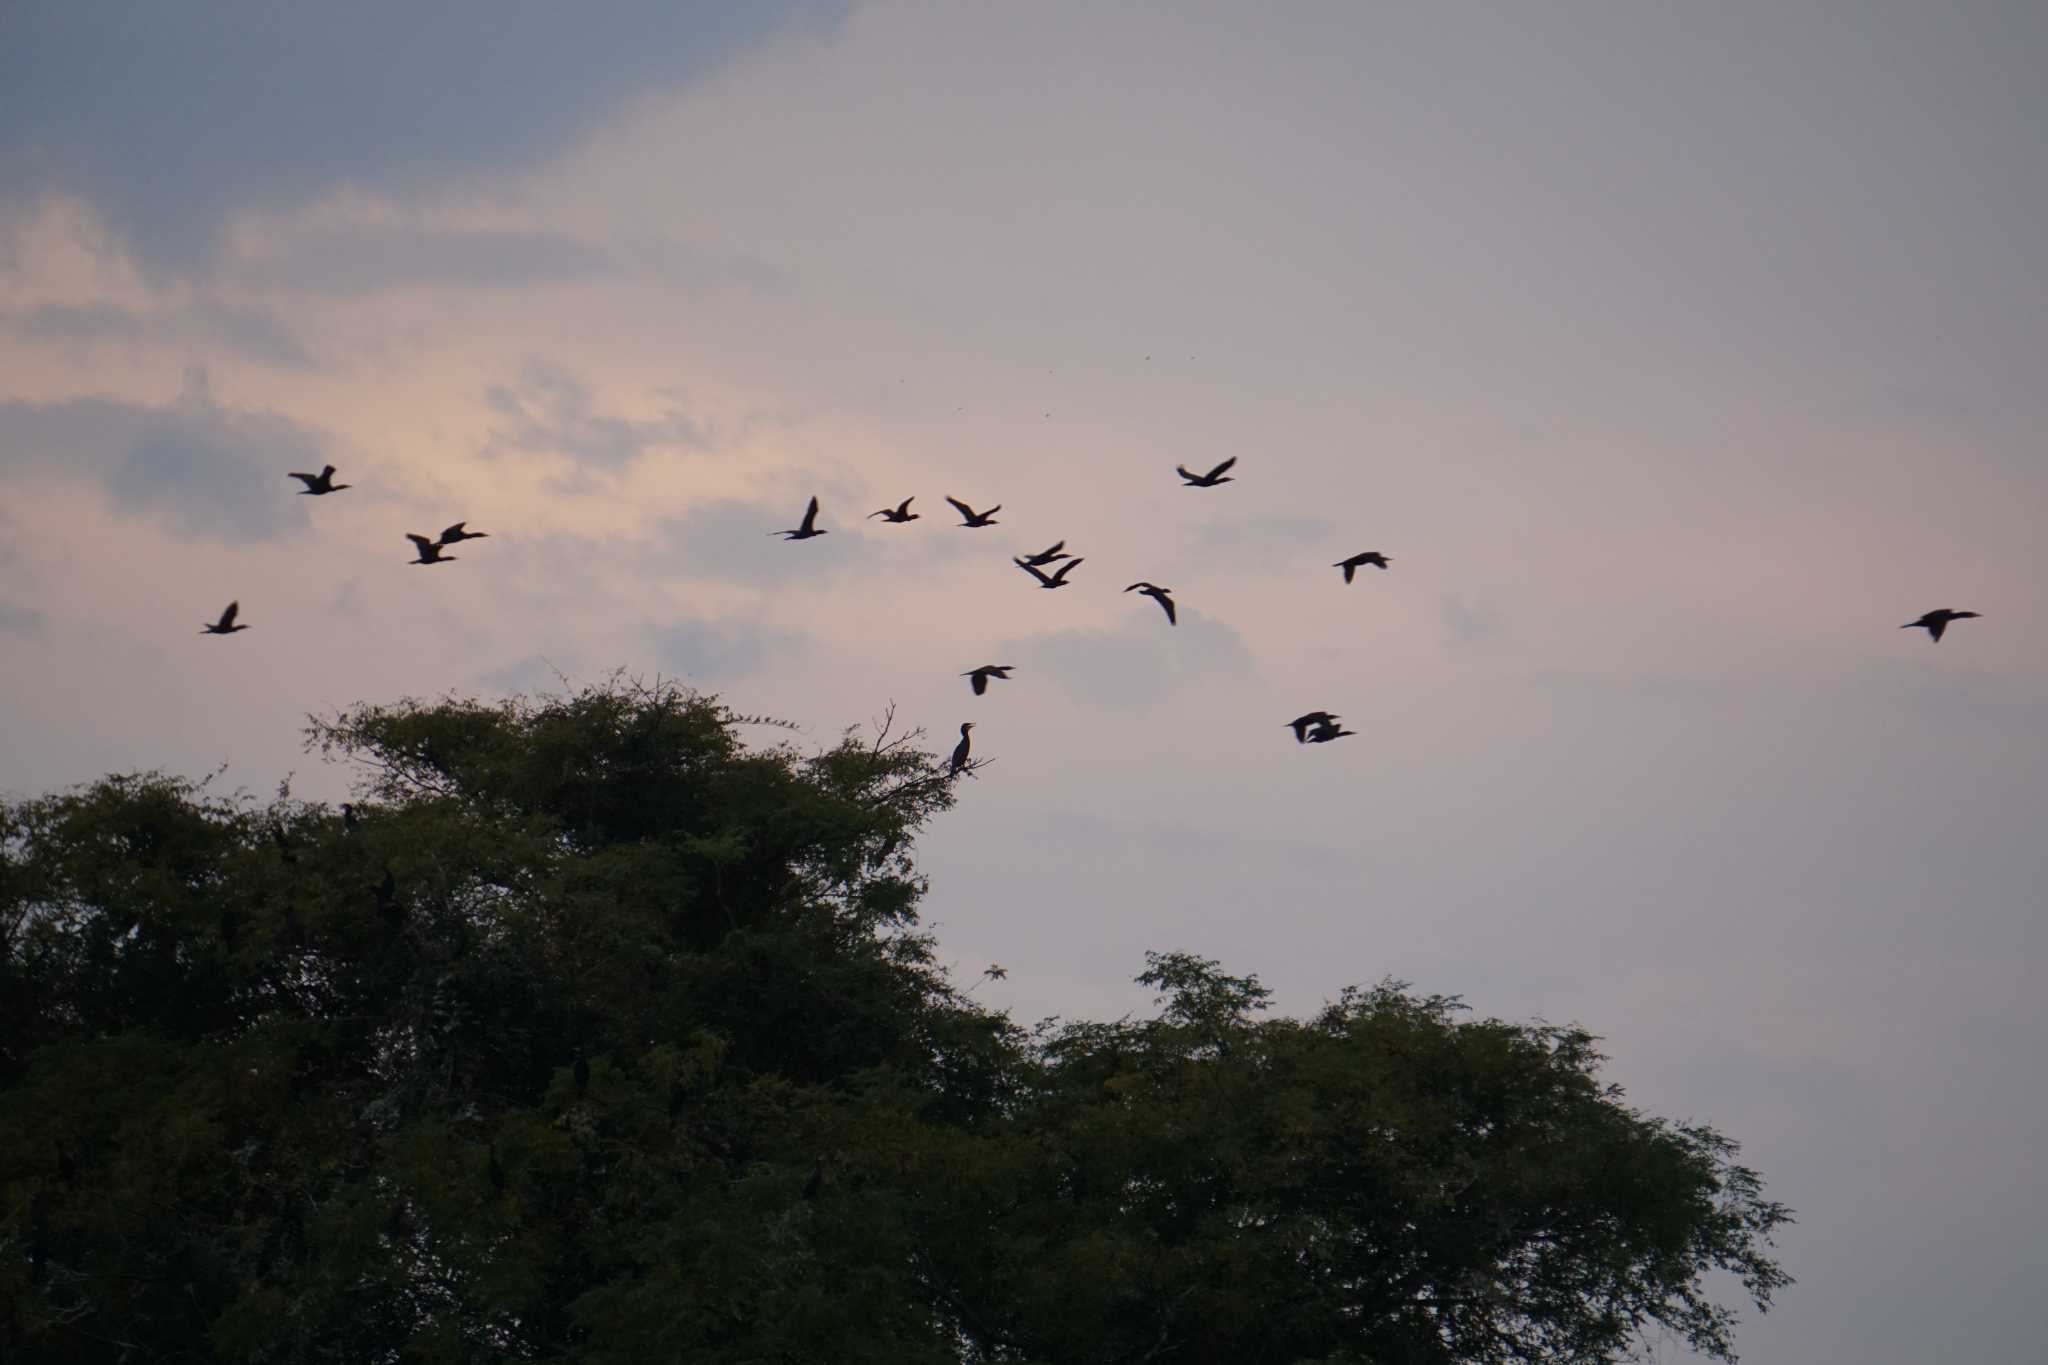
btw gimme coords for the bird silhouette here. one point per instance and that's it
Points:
(1935, 622)
(349, 819)
(1159, 595)
(899, 513)
(226, 625)
(430, 551)
(979, 677)
(1056, 551)
(960, 750)
(1208, 480)
(455, 535)
(1058, 580)
(318, 485)
(970, 517)
(1350, 566)
(807, 529)
(1301, 724)
(1326, 732)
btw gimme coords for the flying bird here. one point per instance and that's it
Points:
(1350, 566)
(1301, 724)
(1159, 595)
(960, 750)
(1210, 479)
(1058, 580)
(319, 484)
(979, 677)
(1056, 551)
(1326, 732)
(455, 534)
(1934, 622)
(430, 551)
(226, 625)
(807, 529)
(899, 513)
(970, 517)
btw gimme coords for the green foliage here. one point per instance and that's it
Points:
(278, 1088)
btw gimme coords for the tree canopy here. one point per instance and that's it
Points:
(590, 1033)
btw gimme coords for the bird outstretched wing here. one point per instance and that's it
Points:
(1035, 572)
(1221, 468)
(810, 521)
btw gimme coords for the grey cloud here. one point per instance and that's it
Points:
(533, 673)
(1266, 544)
(253, 336)
(169, 118)
(1470, 624)
(212, 471)
(550, 413)
(714, 651)
(1142, 662)
(21, 620)
(731, 540)
(365, 260)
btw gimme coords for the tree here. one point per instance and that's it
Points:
(599, 1036)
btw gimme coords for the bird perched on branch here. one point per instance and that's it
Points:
(1208, 480)
(960, 750)
(1160, 595)
(319, 485)
(226, 625)
(1935, 622)
(1350, 566)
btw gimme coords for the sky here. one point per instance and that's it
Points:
(1675, 355)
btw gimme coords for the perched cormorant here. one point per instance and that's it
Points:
(1328, 731)
(816, 1181)
(386, 892)
(1159, 595)
(899, 513)
(960, 749)
(349, 819)
(1052, 554)
(226, 625)
(496, 1172)
(980, 676)
(1350, 566)
(808, 528)
(1300, 724)
(970, 517)
(319, 484)
(1058, 580)
(455, 535)
(1935, 622)
(582, 1073)
(430, 551)
(1208, 480)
